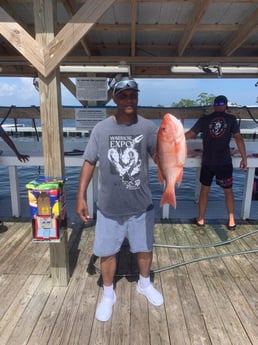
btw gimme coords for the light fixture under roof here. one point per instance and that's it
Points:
(211, 69)
(240, 69)
(95, 69)
(186, 69)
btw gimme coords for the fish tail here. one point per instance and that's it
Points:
(168, 197)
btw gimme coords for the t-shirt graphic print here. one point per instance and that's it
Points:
(124, 157)
(217, 127)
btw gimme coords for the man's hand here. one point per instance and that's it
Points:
(23, 158)
(243, 164)
(82, 210)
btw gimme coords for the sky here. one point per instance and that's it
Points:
(153, 92)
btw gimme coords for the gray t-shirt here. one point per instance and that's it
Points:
(122, 152)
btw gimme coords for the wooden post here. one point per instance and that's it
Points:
(52, 132)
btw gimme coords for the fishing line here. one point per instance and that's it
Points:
(93, 268)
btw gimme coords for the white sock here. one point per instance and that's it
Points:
(109, 291)
(144, 282)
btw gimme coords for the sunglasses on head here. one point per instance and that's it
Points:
(123, 84)
(220, 103)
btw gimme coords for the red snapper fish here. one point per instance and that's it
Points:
(171, 155)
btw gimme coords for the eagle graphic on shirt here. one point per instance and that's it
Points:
(124, 157)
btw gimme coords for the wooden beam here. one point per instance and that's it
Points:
(72, 88)
(73, 31)
(21, 40)
(71, 10)
(244, 32)
(9, 9)
(52, 133)
(198, 12)
(133, 26)
(163, 27)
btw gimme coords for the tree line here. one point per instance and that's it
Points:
(203, 99)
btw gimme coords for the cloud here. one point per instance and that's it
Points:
(7, 90)
(18, 91)
(28, 91)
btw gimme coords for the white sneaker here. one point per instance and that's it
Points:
(104, 309)
(152, 294)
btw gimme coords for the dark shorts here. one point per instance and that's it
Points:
(223, 174)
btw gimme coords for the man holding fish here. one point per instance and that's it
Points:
(217, 129)
(121, 144)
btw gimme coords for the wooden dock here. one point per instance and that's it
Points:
(211, 302)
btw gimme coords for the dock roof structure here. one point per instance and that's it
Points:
(208, 38)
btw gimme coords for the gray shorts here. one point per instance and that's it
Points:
(111, 232)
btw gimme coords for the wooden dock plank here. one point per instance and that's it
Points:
(210, 302)
(139, 327)
(10, 291)
(125, 275)
(158, 327)
(231, 322)
(193, 315)
(250, 242)
(82, 325)
(247, 316)
(247, 284)
(27, 260)
(64, 324)
(18, 237)
(43, 328)
(197, 274)
(174, 318)
(82, 328)
(244, 315)
(121, 318)
(232, 264)
(43, 266)
(7, 231)
(5, 280)
(177, 324)
(26, 323)
(10, 319)
(47, 325)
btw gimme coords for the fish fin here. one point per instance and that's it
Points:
(179, 177)
(168, 197)
(160, 175)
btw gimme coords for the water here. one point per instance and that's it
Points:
(184, 192)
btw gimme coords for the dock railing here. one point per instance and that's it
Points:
(193, 161)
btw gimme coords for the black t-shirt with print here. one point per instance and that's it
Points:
(217, 129)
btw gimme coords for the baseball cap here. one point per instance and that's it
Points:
(125, 84)
(220, 100)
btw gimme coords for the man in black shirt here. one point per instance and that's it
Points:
(217, 129)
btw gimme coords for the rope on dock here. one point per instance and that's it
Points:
(93, 268)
